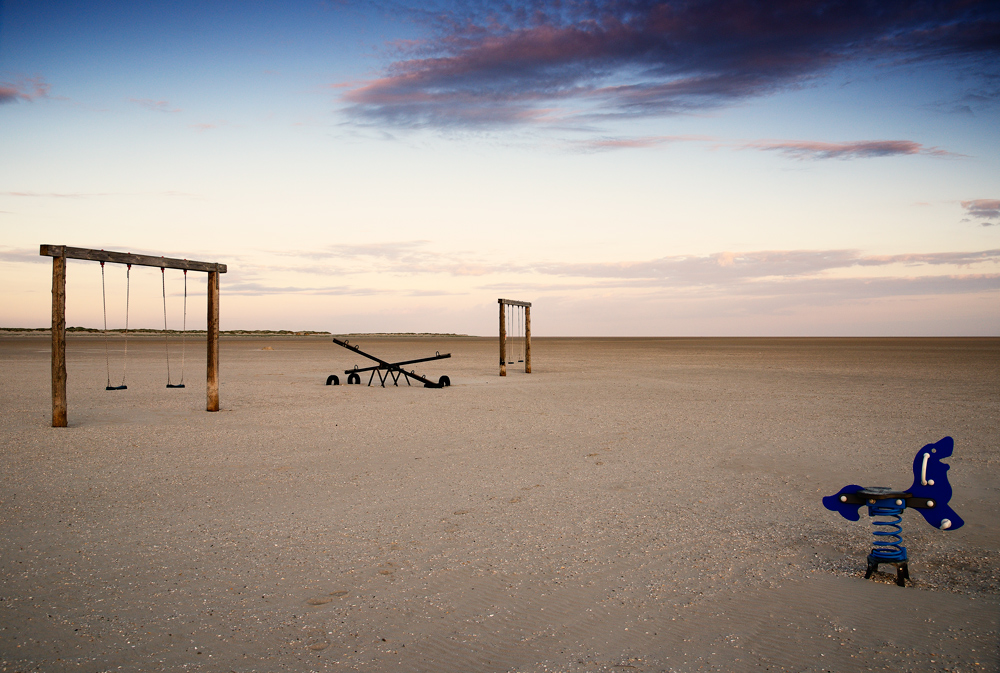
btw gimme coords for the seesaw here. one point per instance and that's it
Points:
(387, 370)
(929, 495)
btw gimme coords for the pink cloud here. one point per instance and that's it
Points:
(863, 149)
(731, 266)
(54, 195)
(29, 89)
(490, 62)
(799, 149)
(934, 258)
(157, 105)
(599, 144)
(209, 126)
(983, 209)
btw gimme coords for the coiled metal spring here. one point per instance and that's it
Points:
(887, 545)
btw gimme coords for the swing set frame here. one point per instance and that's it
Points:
(59, 255)
(526, 305)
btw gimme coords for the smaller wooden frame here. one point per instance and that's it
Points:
(526, 305)
(59, 255)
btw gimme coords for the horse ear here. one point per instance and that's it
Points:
(943, 448)
(848, 510)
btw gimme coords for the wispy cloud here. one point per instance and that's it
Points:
(979, 99)
(56, 195)
(210, 126)
(258, 289)
(853, 289)
(736, 267)
(22, 256)
(27, 89)
(387, 250)
(87, 195)
(413, 258)
(960, 259)
(155, 105)
(797, 149)
(397, 257)
(839, 274)
(492, 64)
(640, 142)
(803, 290)
(983, 209)
(864, 149)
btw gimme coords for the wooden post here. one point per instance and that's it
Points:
(503, 340)
(59, 342)
(527, 339)
(213, 342)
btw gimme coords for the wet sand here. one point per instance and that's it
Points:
(631, 505)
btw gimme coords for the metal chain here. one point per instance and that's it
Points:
(510, 334)
(184, 327)
(104, 300)
(166, 340)
(128, 284)
(520, 316)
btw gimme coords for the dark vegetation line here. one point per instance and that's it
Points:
(234, 332)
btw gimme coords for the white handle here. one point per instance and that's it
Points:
(923, 470)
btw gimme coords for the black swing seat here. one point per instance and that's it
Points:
(117, 388)
(175, 385)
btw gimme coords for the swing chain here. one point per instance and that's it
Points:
(104, 302)
(184, 324)
(520, 327)
(166, 339)
(128, 289)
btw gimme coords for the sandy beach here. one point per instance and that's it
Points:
(631, 505)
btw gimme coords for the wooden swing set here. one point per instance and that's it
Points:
(515, 324)
(59, 255)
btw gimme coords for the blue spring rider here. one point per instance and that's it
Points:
(929, 495)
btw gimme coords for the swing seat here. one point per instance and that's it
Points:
(175, 385)
(117, 388)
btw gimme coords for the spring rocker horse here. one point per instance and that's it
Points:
(929, 495)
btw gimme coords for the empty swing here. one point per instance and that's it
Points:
(520, 317)
(510, 331)
(107, 355)
(515, 334)
(166, 342)
(61, 253)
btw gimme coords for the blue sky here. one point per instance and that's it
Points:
(632, 168)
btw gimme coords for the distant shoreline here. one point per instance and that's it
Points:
(233, 332)
(92, 331)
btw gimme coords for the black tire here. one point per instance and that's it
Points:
(333, 380)
(353, 379)
(444, 381)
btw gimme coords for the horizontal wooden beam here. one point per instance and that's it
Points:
(128, 258)
(512, 302)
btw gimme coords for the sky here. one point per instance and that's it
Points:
(716, 168)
